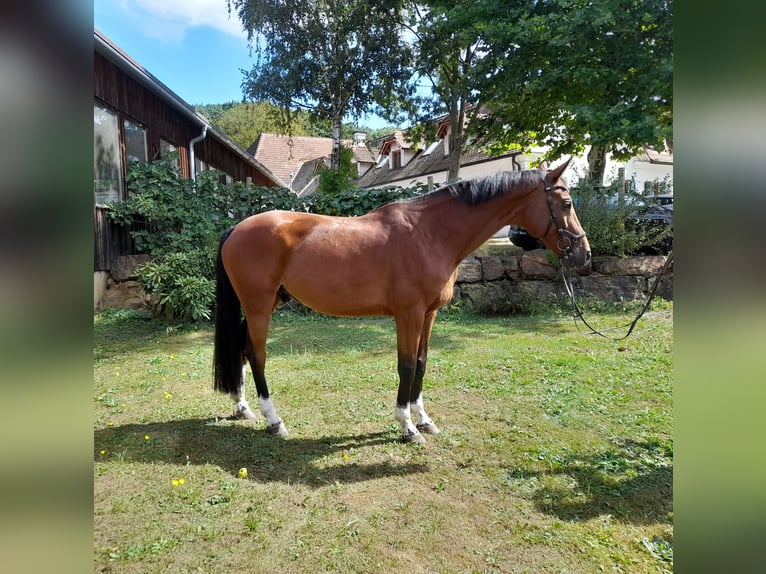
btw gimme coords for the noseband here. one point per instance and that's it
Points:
(567, 239)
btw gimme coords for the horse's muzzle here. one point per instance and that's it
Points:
(579, 258)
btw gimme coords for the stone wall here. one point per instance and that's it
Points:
(510, 281)
(498, 279)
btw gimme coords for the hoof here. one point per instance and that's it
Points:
(415, 437)
(429, 428)
(246, 414)
(277, 429)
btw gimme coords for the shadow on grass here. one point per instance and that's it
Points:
(230, 446)
(633, 483)
(116, 333)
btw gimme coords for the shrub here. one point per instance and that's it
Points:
(607, 221)
(182, 282)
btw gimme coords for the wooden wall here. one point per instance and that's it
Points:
(119, 91)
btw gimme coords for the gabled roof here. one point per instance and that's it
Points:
(654, 156)
(284, 155)
(306, 180)
(423, 164)
(103, 45)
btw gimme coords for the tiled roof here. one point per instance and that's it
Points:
(654, 156)
(422, 165)
(284, 155)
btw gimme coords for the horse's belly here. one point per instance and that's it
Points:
(334, 290)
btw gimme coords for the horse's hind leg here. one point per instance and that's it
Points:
(255, 350)
(243, 410)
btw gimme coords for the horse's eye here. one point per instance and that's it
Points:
(566, 204)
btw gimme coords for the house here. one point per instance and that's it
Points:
(404, 163)
(138, 118)
(297, 160)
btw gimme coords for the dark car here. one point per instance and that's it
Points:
(648, 213)
(653, 216)
(519, 237)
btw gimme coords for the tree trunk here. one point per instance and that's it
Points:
(455, 150)
(335, 158)
(456, 139)
(597, 164)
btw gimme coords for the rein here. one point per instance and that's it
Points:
(578, 314)
(567, 239)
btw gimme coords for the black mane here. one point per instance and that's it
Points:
(479, 190)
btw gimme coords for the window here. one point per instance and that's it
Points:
(135, 142)
(167, 148)
(396, 159)
(200, 166)
(107, 166)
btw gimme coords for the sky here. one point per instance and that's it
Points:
(192, 46)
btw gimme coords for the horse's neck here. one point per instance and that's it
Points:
(463, 227)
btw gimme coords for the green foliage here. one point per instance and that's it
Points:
(335, 181)
(605, 217)
(169, 213)
(333, 58)
(571, 73)
(182, 282)
(355, 202)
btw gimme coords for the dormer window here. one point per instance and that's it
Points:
(396, 159)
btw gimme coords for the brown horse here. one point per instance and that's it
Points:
(399, 260)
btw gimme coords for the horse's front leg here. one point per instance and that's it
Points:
(408, 331)
(424, 423)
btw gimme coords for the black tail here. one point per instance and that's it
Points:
(230, 330)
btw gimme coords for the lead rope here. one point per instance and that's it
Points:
(578, 314)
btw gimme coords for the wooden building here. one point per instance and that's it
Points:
(137, 118)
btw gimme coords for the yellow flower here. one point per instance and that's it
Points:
(242, 472)
(167, 395)
(146, 437)
(174, 482)
(102, 452)
(181, 481)
(110, 424)
(345, 457)
(178, 481)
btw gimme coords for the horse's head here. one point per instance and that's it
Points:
(553, 220)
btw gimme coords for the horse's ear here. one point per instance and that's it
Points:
(556, 172)
(543, 165)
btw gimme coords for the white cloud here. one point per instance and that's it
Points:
(170, 19)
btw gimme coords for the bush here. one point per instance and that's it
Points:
(182, 282)
(608, 222)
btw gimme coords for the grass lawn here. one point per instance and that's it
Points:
(556, 453)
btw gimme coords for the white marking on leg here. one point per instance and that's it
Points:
(242, 408)
(275, 424)
(268, 410)
(405, 420)
(424, 422)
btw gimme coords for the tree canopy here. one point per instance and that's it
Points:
(571, 73)
(337, 58)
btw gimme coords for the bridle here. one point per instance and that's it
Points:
(567, 239)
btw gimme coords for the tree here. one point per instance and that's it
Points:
(573, 73)
(448, 45)
(336, 58)
(244, 122)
